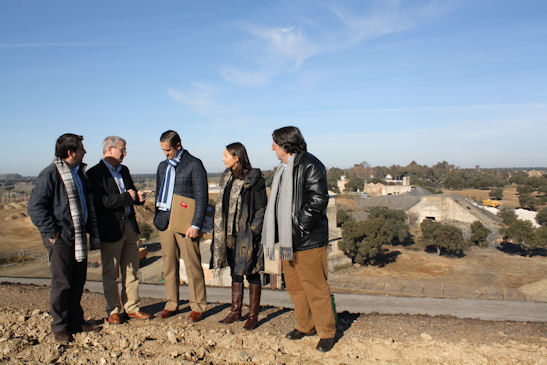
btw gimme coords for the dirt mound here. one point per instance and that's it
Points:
(535, 291)
(25, 337)
(15, 216)
(12, 206)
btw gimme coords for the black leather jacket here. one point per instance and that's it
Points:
(310, 199)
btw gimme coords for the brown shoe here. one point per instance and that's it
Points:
(325, 344)
(62, 337)
(254, 307)
(114, 318)
(297, 335)
(237, 301)
(139, 315)
(89, 327)
(165, 313)
(195, 316)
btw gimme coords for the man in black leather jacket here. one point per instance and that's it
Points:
(305, 258)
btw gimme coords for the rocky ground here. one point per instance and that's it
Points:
(25, 337)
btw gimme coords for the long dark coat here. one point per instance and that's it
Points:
(249, 257)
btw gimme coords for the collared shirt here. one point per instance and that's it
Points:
(285, 164)
(80, 188)
(115, 171)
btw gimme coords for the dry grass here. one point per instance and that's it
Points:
(510, 196)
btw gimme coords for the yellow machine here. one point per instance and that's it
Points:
(490, 203)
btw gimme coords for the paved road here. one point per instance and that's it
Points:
(492, 310)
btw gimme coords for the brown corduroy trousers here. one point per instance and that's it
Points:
(306, 281)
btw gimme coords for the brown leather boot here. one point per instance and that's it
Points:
(254, 306)
(237, 301)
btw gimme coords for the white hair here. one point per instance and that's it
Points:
(112, 141)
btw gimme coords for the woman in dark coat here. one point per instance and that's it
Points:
(239, 214)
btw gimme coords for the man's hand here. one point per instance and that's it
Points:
(132, 193)
(192, 233)
(142, 196)
(54, 239)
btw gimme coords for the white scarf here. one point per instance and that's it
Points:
(165, 196)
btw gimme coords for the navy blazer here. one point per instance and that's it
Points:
(110, 203)
(191, 182)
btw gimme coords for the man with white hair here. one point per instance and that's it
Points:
(114, 195)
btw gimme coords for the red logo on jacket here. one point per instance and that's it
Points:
(183, 204)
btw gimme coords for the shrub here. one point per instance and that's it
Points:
(496, 194)
(443, 237)
(541, 217)
(479, 233)
(523, 233)
(363, 241)
(342, 217)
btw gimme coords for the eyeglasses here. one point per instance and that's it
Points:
(123, 150)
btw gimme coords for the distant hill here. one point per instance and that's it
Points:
(10, 177)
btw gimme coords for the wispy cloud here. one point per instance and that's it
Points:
(286, 48)
(246, 78)
(200, 99)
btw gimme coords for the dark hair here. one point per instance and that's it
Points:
(243, 166)
(170, 136)
(290, 139)
(67, 142)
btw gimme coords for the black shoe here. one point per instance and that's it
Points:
(90, 327)
(325, 344)
(62, 337)
(297, 335)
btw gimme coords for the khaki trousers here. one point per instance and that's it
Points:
(173, 246)
(121, 257)
(306, 281)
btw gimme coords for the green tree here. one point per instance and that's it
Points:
(522, 233)
(363, 241)
(496, 194)
(428, 228)
(444, 237)
(541, 217)
(454, 182)
(528, 201)
(354, 185)
(479, 233)
(333, 186)
(342, 217)
(508, 215)
(525, 189)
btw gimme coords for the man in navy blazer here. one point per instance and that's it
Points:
(114, 195)
(182, 174)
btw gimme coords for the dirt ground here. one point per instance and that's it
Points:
(481, 274)
(25, 337)
(510, 196)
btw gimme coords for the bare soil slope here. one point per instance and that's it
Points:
(372, 339)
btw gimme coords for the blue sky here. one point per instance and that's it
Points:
(386, 82)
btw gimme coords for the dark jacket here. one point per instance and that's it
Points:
(48, 206)
(110, 203)
(310, 199)
(191, 182)
(249, 253)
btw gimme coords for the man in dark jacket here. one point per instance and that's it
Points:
(61, 206)
(181, 174)
(114, 195)
(296, 218)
